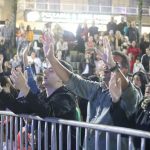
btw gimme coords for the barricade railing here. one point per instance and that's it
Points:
(13, 136)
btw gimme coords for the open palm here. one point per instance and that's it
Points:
(106, 54)
(115, 88)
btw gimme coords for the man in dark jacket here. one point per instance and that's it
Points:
(133, 33)
(112, 25)
(57, 102)
(121, 25)
(146, 60)
(87, 65)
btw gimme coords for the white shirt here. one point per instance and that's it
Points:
(65, 46)
(86, 70)
(138, 67)
(37, 62)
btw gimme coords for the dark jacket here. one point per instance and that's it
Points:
(145, 62)
(60, 104)
(93, 30)
(112, 26)
(140, 120)
(91, 66)
(121, 26)
(133, 34)
(144, 45)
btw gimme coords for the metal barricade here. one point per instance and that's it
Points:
(15, 133)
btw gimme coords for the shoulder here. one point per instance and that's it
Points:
(131, 92)
(64, 92)
(64, 96)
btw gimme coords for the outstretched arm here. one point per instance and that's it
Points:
(115, 88)
(106, 55)
(60, 70)
(65, 74)
(20, 82)
(32, 102)
(28, 71)
(25, 55)
(118, 114)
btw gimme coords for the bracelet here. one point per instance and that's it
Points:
(115, 68)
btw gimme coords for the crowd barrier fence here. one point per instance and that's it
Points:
(9, 121)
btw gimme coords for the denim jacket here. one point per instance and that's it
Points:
(98, 110)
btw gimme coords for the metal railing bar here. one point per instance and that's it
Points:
(106, 128)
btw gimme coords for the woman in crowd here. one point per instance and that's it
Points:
(140, 80)
(29, 34)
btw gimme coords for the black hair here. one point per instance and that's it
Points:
(4, 80)
(143, 79)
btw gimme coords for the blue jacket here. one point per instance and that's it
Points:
(99, 103)
(31, 82)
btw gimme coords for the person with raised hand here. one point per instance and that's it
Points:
(28, 71)
(115, 88)
(139, 119)
(55, 101)
(99, 100)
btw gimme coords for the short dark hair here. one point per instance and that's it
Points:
(144, 80)
(125, 60)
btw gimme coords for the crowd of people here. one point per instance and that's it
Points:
(112, 87)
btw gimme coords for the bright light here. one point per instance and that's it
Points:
(33, 16)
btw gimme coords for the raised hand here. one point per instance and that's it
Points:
(48, 40)
(25, 54)
(106, 54)
(19, 81)
(50, 52)
(115, 88)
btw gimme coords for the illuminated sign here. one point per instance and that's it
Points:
(65, 17)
